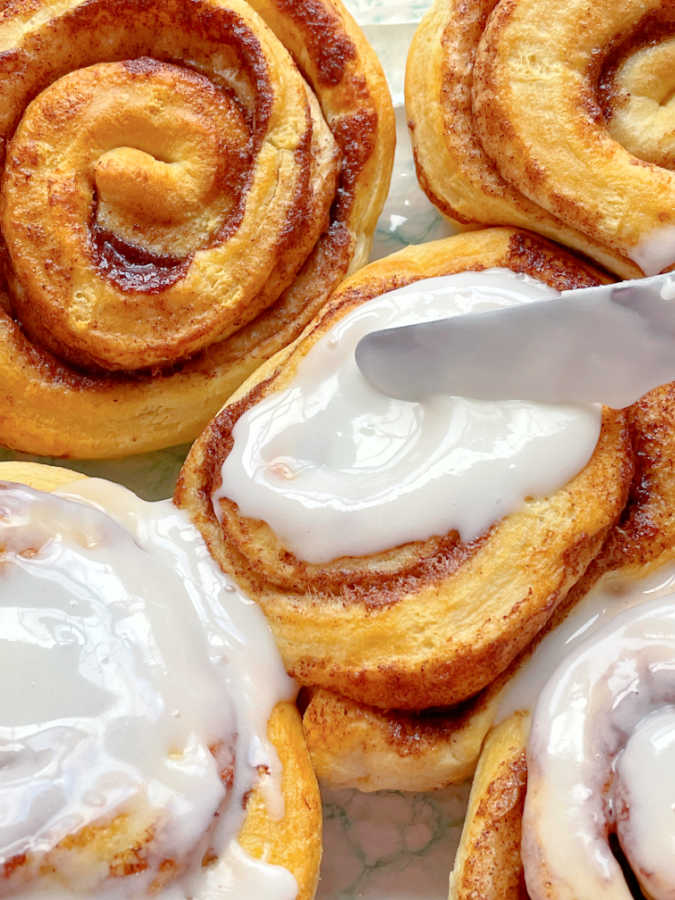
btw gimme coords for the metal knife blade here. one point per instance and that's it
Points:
(608, 344)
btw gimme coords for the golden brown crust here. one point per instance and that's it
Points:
(633, 89)
(498, 141)
(487, 865)
(171, 370)
(355, 745)
(645, 535)
(38, 476)
(429, 623)
(358, 746)
(294, 841)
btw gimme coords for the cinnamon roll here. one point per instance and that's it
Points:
(558, 119)
(149, 751)
(605, 764)
(381, 586)
(636, 568)
(183, 184)
(353, 745)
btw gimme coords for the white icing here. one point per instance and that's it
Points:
(646, 772)
(612, 595)
(239, 876)
(135, 657)
(338, 469)
(656, 251)
(602, 727)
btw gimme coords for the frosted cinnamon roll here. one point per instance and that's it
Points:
(153, 748)
(558, 119)
(183, 184)
(404, 554)
(635, 568)
(600, 760)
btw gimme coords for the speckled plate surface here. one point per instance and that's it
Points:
(386, 846)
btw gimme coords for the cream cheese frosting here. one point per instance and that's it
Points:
(337, 469)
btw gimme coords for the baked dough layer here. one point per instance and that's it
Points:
(357, 746)
(488, 864)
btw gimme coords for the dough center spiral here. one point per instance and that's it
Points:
(638, 96)
(174, 186)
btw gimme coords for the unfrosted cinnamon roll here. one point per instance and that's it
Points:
(183, 185)
(399, 609)
(635, 568)
(153, 748)
(556, 118)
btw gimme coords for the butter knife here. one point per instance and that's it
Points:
(608, 344)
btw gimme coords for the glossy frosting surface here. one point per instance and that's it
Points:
(132, 675)
(338, 469)
(613, 594)
(600, 759)
(656, 252)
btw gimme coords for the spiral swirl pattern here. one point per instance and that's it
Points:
(634, 568)
(183, 185)
(600, 760)
(429, 622)
(555, 118)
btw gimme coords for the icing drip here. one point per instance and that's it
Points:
(338, 469)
